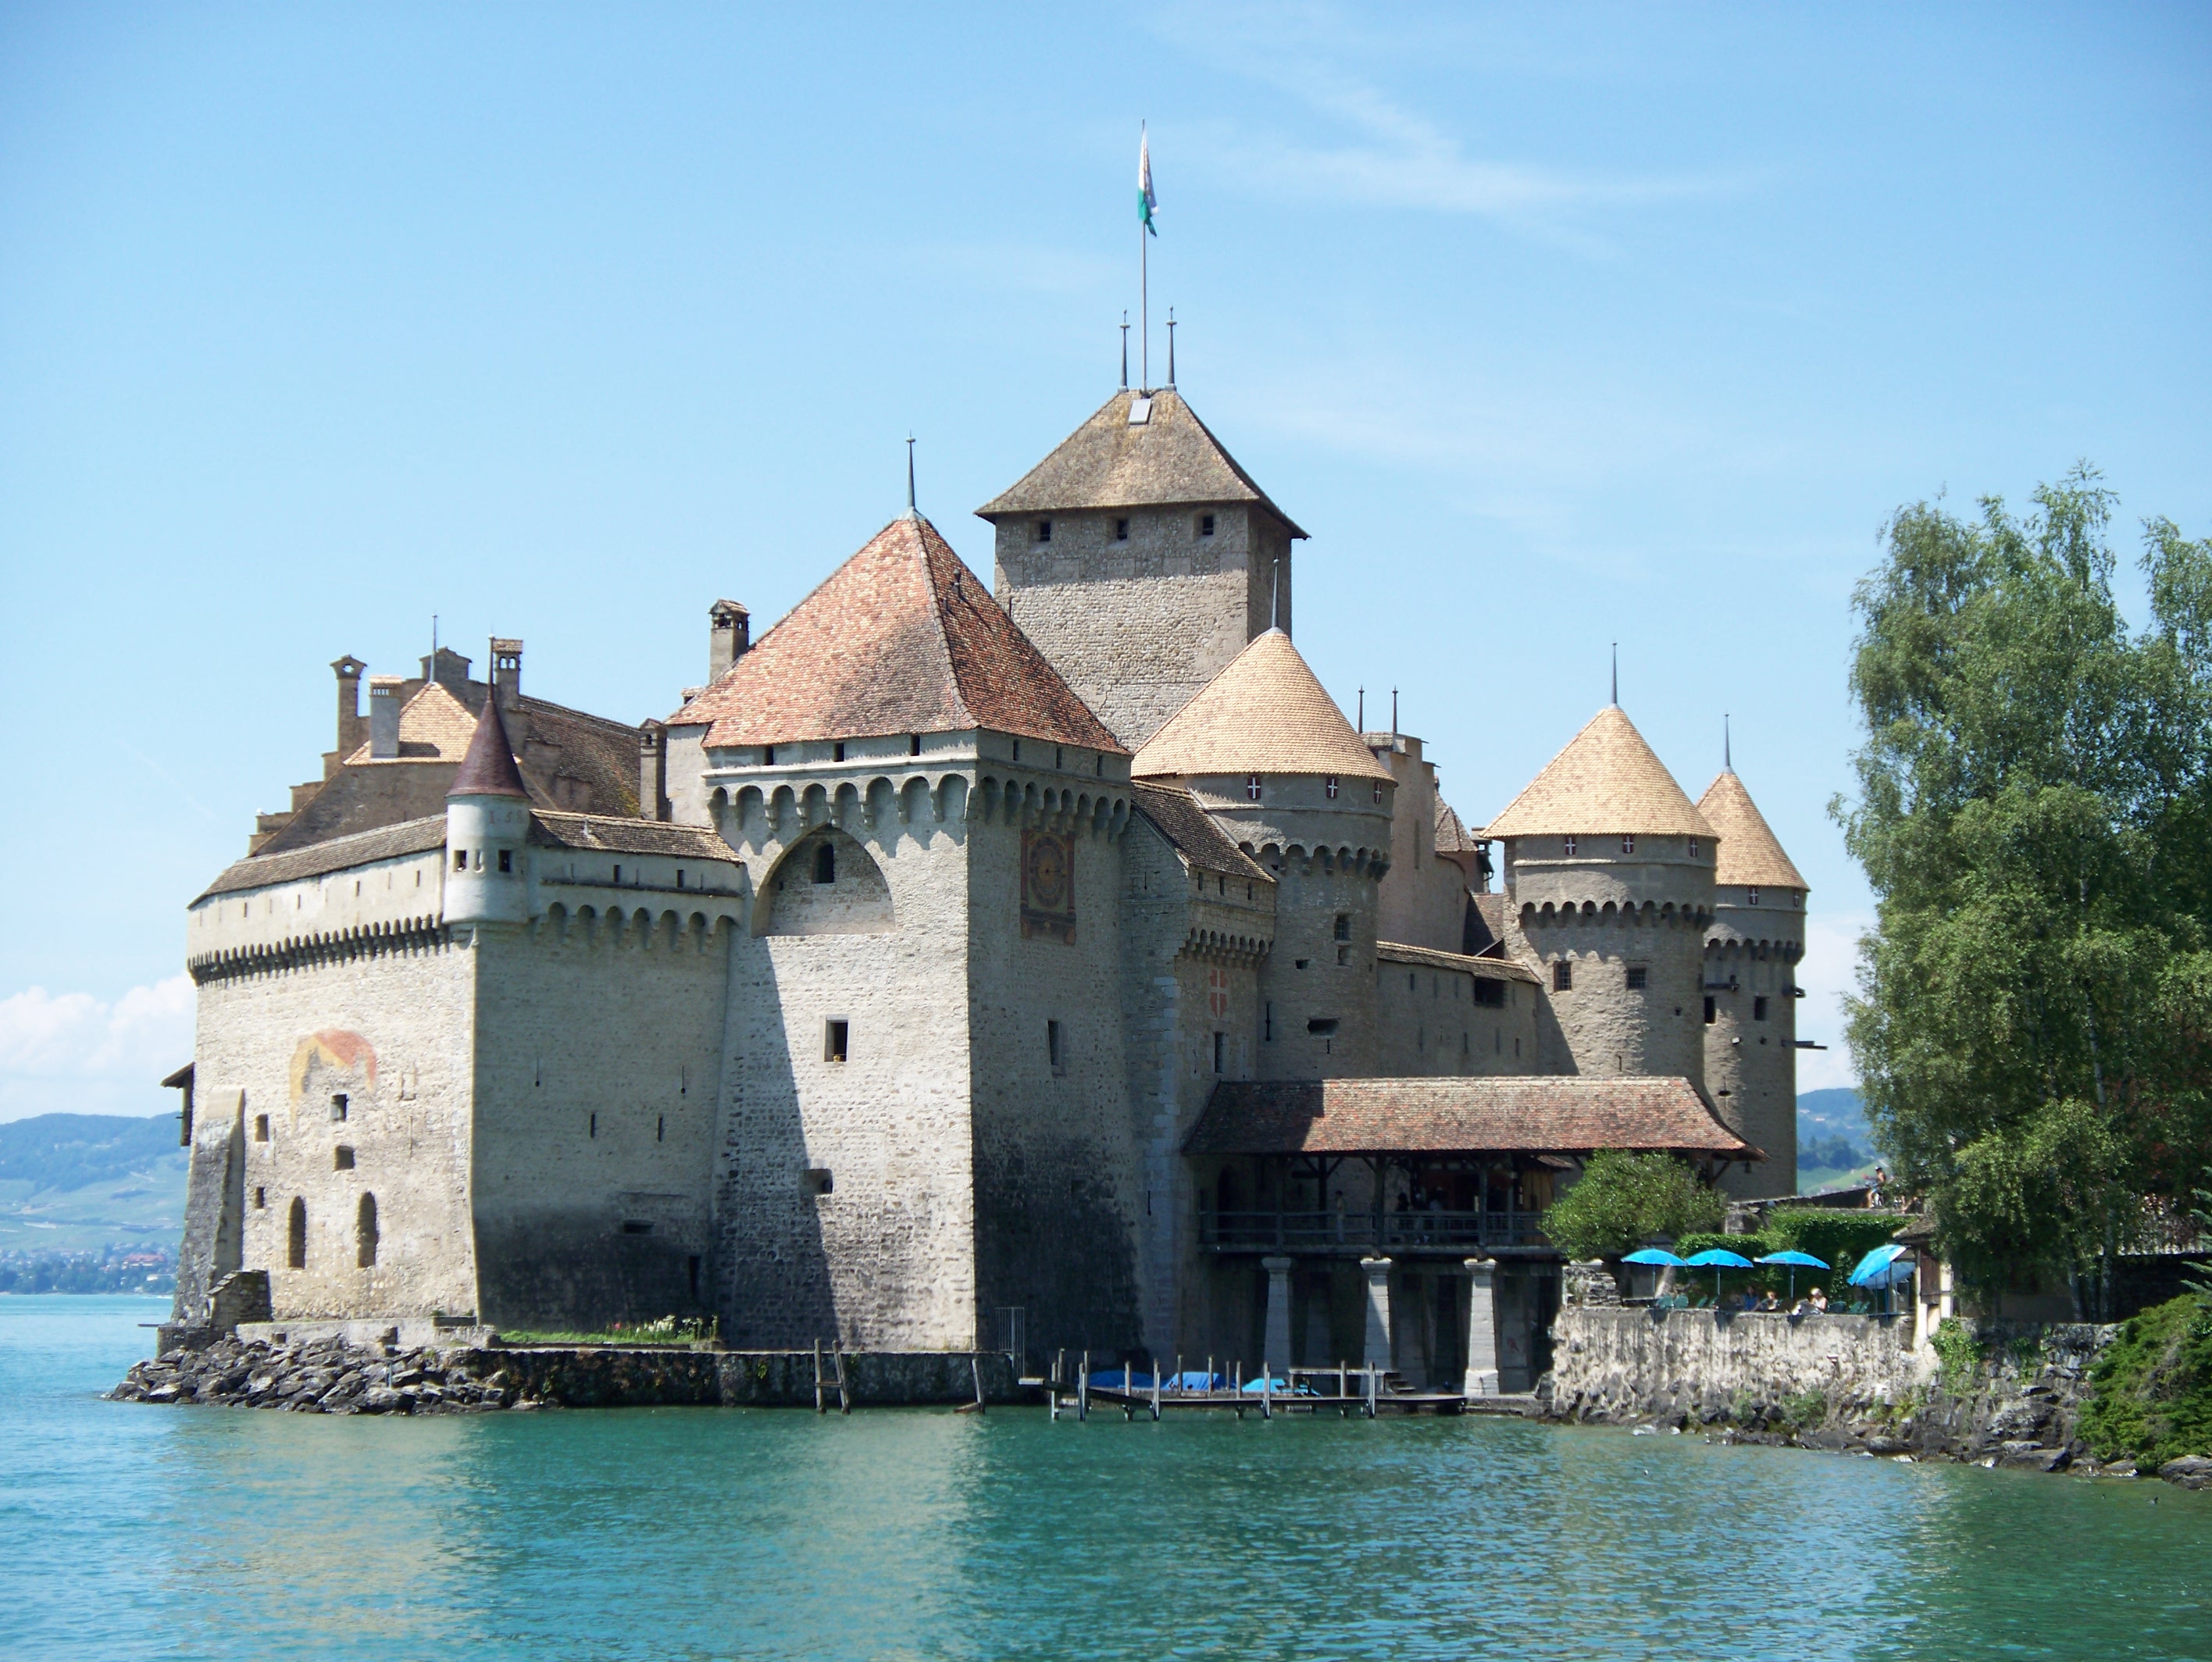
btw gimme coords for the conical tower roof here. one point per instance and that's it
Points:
(1266, 713)
(902, 638)
(1749, 854)
(1606, 780)
(1167, 456)
(489, 769)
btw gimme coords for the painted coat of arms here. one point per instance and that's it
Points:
(1047, 886)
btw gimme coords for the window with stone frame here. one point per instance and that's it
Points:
(1563, 976)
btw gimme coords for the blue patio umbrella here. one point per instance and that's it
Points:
(1653, 1255)
(1716, 1260)
(1796, 1261)
(1884, 1266)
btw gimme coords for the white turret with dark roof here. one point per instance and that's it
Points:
(1752, 948)
(1609, 886)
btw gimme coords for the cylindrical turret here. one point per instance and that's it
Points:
(488, 830)
(1751, 952)
(1609, 891)
(1266, 753)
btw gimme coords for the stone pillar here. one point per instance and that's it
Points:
(1481, 1327)
(1376, 1351)
(1277, 1350)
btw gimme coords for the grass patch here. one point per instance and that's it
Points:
(2151, 1391)
(674, 1331)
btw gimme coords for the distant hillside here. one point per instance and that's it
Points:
(69, 1151)
(83, 1183)
(1833, 1139)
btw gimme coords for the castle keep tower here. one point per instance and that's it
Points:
(1269, 757)
(1141, 559)
(1752, 948)
(1609, 891)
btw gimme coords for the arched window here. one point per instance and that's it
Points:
(295, 1244)
(364, 1233)
(825, 864)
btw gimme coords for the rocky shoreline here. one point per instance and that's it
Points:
(325, 1376)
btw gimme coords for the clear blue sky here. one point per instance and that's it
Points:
(1553, 329)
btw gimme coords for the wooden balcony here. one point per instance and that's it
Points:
(1359, 1235)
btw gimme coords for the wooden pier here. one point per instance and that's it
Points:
(1345, 1390)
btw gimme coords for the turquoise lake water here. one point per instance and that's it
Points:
(137, 1532)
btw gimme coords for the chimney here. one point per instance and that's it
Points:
(732, 635)
(507, 668)
(450, 670)
(384, 716)
(349, 669)
(653, 771)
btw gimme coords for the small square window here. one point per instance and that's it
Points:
(1044, 531)
(1563, 976)
(1344, 925)
(835, 1042)
(1252, 786)
(460, 860)
(1639, 977)
(1711, 1015)
(1206, 524)
(1567, 845)
(637, 1226)
(1220, 1052)
(1344, 955)
(1121, 530)
(1753, 894)
(260, 1128)
(342, 1158)
(1328, 787)
(767, 755)
(1490, 994)
(260, 1198)
(837, 751)
(914, 744)
(1759, 1008)
(507, 860)
(338, 1106)
(1053, 1053)
(1628, 843)
(816, 1180)
(825, 863)
(619, 874)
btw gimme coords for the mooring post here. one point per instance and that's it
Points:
(1236, 1385)
(817, 1373)
(975, 1367)
(1156, 1388)
(1083, 1391)
(1371, 1393)
(844, 1393)
(1267, 1389)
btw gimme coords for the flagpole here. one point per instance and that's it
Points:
(1143, 308)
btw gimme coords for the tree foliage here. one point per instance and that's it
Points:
(2034, 1030)
(1623, 1200)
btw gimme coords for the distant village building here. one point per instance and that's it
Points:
(1045, 963)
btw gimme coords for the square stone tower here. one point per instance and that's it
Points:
(1141, 559)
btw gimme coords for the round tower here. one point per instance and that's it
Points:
(1265, 751)
(488, 830)
(1608, 893)
(1751, 952)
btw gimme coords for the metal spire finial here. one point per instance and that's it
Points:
(1360, 721)
(1728, 754)
(1616, 675)
(1125, 349)
(1170, 349)
(910, 477)
(1394, 717)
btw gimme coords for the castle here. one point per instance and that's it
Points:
(1048, 965)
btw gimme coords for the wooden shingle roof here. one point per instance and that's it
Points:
(1536, 1115)
(902, 638)
(1191, 831)
(1169, 458)
(1266, 713)
(489, 769)
(1606, 780)
(1749, 853)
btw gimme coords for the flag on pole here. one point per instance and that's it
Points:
(1145, 200)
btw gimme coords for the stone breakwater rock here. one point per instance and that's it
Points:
(324, 1376)
(2191, 1471)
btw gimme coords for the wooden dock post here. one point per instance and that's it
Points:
(1155, 1389)
(1083, 1391)
(975, 1367)
(1343, 1391)
(1370, 1392)
(1267, 1389)
(818, 1373)
(1236, 1385)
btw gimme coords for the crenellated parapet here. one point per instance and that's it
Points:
(616, 926)
(310, 951)
(1611, 915)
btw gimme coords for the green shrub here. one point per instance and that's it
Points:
(1959, 1352)
(2150, 1393)
(1841, 1238)
(1623, 1200)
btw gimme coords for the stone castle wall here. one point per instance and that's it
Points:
(1429, 1025)
(1139, 626)
(1751, 1058)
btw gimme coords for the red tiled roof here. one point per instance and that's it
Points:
(1568, 1115)
(902, 638)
